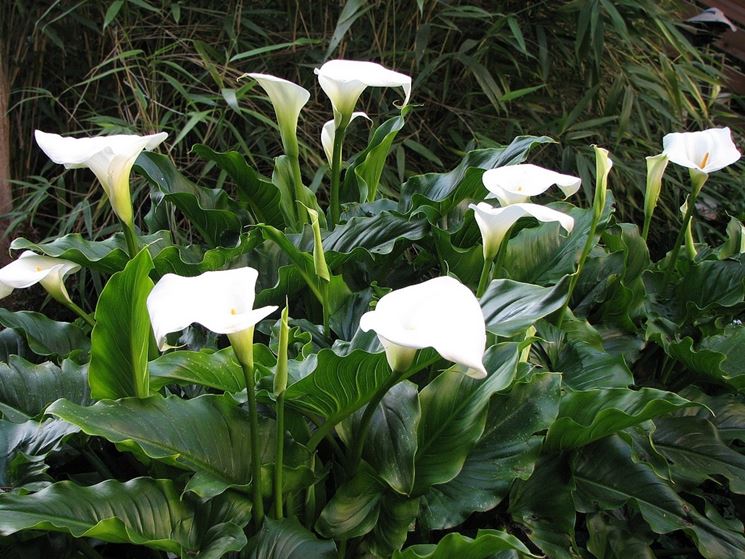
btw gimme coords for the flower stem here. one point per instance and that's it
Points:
(326, 308)
(364, 426)
(81, 313)
(583, 256)
(298, 183)
(279, 456)
(681, 233)
(131, 238)
(484, 279)
(335, 205)
(248, 375)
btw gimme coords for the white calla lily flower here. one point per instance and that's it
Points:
(31, 268)
(288, 99)
(220, 301)
(109, 157)
(706, 151)
(328, 134)
(441, 313)
(495, 223)
(513, 184)
(343, 81)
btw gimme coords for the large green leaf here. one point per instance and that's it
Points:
(209, 211)
(606, 478)
(208, 435)
(142, 511)
(219, 370)
(486, 544)
(611, 538)
(391, 442)
(693, 446)
(510, 306)
(287, 539)
(507, 450)
(354, 508)
(28, 389)
(446, 190)
(44, 335)
(376, 234)
(453, 417)
(12, 343)
(262, 197)
(588, 415)
(120, 339)
(544, 507)
(397, 514)
(23, 447)
(714, 283)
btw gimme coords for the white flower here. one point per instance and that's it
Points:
(494, 223)
(288, 99)
(31, 268)
(705, 151)
(440, 313)
(328, 133)
(513, 184)
(344, 80)
(109, 157)
(220, 301)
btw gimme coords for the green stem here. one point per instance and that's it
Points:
(364, 427)
(131, 238)
(81, 313)
(326, 308)
(573, 280)
(279, 458)
(342, 549)
(298, 183)
(499, 260)
(335, 205)
(645, 230)
(248, 375)
(484, 278)
(679, 239)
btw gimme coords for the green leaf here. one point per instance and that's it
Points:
(453, 417)
(209, 211)
(292, 198)
(606, 478)
(445, 190)
(28, 389)
(363, 174)
(391, 443)
(611, 538)
(44, 335)
(23, 447)
(485, 545)
(219, 370)
(353, 10)
(111, 12)
(142, 511)
(397, 515)
(354, 509)
(507, 450)
(714, 284)
(287, 539)
(120, 339)
(207, 435)
(693, 446)
(510, 307)
(588, 415)
(262, 197)
(376, 234)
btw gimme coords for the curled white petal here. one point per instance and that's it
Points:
(344, 80)
(287, 98)
(220, 301)
(440, 313)
(328, 133)
(513, 184)
(494, 223)
(706, 151)
(109, 157)
(31, 268)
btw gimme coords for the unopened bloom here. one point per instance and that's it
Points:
(495, 223)
(220, 301)
(441, 313)
(109, 157)
(705, 151)
(328, 133)
(31, 268)
(513, 184)
(344, 80)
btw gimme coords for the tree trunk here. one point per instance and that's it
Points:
(6, 194)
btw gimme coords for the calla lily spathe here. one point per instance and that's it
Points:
(288, 99)
(706, 151)
(220, 301)
(343, 81)
(31, 268)
(109, 157)
(328, 133)
(513, 184)
(441, 313)
(494, 223)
